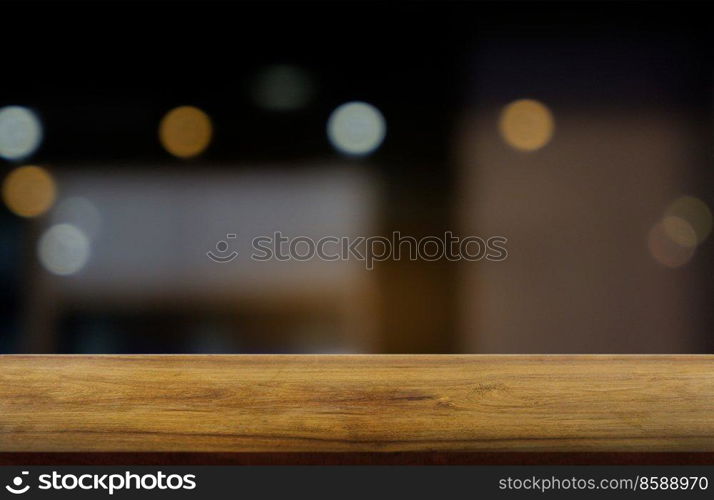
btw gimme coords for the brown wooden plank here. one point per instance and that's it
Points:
(316, 403)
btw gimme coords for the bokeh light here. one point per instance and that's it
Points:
(679, 231)
(283, 88)
(665, 250)
(79, 212)
(693, 212)
(185, 131)
(63, 249)
(526, 124)
(20, 132)
(29, 191)
(356, 128)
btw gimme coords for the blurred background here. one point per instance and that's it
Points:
(137, 137)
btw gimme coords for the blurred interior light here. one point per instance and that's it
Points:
(665, 250)
(680, 231)
(526, 124)
(20, 132)
(63, 249)
(356, 128)
(29, 191)
(80, 212)
(283, 88)
(185, 131)
(695, 213)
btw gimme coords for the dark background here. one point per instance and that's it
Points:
(103, 74)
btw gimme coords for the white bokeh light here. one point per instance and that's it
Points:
(79, 212)
(356, 128)
(63, 249)
(20, 132)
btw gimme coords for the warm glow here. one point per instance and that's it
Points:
(679, 231)
(695, 213)
(29, 191)
(185, 131)
(665, 250)
(526, 125)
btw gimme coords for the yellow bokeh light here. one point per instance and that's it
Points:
(526, 124)
(29, 191)
(695, 213)
(185, 131)
(680, 231)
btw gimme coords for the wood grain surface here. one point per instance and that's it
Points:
(318, 403)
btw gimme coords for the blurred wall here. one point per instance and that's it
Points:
(581, 275)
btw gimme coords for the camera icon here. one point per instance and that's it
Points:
(16, 488)
(222, 255)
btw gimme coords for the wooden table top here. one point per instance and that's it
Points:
(357, 403)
